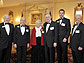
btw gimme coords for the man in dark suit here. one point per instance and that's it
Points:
(6, 39)
(21, 40)
(50, 39)
(64, 29)
(77, 40)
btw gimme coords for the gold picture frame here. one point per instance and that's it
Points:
(36, 16)
(78, 10)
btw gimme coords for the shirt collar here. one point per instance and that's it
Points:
(38, 28)
(50, 21)
(62, 17)
(21, 25)
(4, 23)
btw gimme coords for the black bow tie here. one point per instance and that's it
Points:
(61, 18)
(48, 23)
(22, 25)
(6, 23)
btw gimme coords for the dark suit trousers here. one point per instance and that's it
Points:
(5, 55)
(49, 54)
(37, 52)
(62, 53)
(21, 54)
(78, 56)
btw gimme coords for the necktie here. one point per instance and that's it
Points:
(6, 23)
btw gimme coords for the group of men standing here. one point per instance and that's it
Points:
(20, 36)
(55, 34)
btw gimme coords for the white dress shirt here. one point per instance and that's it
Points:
(61, 21)
(7, 28)
(22, 29)
(38, 31)
(47, 26)
(74, 29)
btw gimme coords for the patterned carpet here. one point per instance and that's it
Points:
(14, 59)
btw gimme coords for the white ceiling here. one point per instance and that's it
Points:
(17, 2)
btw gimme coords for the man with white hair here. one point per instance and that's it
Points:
(50, 39)
(21, 40)
(6, 39)
(37, 44)
(77, 40)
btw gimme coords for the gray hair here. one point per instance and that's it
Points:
(5, 16)
(39, 21)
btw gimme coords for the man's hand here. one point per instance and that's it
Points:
(80, 48)
(28, 45)
(55, 44)
(15, 46)
(64, 40)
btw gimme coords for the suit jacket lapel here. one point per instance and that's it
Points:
(10, 29)
(20, 29)
(76, 28)
(45, 27)
(72, 29)
(25, 29)
(4, 28)
(49, 26)
(79, 26)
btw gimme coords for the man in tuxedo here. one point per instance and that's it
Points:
(21, 40)
(6, 39)
(50, 39)
(64, 29)
(77, 40)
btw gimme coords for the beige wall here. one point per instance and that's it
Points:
(68, 6)
(17, 10)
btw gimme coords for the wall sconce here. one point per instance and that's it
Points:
(2, 20)
(17, 19)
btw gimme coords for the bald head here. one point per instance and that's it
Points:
(78, 19)
(22, 21)
(6, 18)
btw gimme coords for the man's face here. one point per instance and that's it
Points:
(61, 14)
(48, 17)
(6, 19)
(22, 21)
(78, 19)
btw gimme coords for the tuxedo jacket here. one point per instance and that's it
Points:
(5, 39)
(64, 28)
(77, 39)
(51, 36)
(19, 39)
(33, 37)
